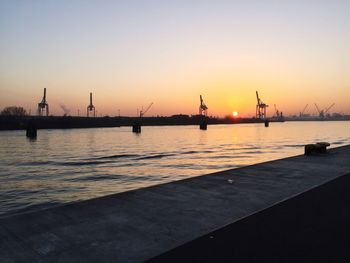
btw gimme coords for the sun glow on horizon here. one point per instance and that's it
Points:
(235, 114)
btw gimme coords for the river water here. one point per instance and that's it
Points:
(63, 166)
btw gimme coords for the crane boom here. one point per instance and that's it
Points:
(329, 108)
(257, 97)
(143, 112)
(44, 97)
(304, 109)
(317, 109)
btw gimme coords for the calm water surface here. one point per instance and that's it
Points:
(68, 165)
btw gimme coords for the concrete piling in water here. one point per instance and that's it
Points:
(136, 128)
(31, 130)
(203, 125)
(267, 123)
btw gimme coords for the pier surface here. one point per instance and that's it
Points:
(142, 224)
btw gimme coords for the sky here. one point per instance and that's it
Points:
(133, 53)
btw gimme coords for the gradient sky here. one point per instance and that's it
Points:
(132, 53)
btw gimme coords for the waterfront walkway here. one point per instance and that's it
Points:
(138, 225)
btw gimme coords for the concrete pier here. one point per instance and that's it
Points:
(142, 224)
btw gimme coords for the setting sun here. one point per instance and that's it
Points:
(235, 114)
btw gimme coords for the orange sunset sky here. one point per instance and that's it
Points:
(132, 53)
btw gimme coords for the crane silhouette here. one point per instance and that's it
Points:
(43, 105)
(260, 111)
(322, 113)
(203, 109)
(90, 107)
(143, 112)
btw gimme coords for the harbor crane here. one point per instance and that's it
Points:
(203, 109)
(301, 114)
(143, 112)
(322, 113)
(260, 111)
(90, 108)
(43, 105)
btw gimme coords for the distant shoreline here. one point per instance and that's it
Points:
(69, 122)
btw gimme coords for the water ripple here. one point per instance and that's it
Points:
(61, 167)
